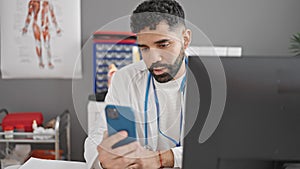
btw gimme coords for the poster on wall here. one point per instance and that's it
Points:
(40, 39)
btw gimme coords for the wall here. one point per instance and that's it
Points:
(261, 27)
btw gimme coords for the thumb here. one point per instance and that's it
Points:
(105, 134)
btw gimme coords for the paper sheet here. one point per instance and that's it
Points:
(35, 163)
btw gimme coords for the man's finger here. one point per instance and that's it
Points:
(105, 134)
(125, 149)
(123, 162)
(133, 166)
(113, 139)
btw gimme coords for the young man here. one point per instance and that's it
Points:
(154, 88)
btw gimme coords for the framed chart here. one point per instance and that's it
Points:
(40, 39)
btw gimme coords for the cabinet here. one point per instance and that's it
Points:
(62, 126)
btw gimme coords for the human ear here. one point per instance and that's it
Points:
(187, 35)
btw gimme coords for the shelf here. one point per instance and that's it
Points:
(26, 140)
(62, 125)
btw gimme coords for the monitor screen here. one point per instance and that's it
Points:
(259, 127)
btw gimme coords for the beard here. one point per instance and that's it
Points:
(172, 69)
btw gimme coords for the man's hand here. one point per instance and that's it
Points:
(130, 156)
(24, 31)
(120, 157)
(146, 159)
(59, 32)
(151, 159)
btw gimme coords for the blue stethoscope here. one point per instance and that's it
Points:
(182, 88)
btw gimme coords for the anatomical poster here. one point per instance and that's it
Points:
(40, 39)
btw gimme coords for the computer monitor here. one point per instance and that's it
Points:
(260, 124)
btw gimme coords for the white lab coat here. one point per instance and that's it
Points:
(128, 89)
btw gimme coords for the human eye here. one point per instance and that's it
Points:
(164, 45)
(143, 49)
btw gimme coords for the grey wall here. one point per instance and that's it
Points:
(261, 27)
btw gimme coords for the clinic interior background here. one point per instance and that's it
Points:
(260, 27)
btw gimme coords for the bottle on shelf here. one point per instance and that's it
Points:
(34, 125)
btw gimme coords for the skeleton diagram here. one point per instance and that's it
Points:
(41, 31)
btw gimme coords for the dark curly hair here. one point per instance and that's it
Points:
(151, 12)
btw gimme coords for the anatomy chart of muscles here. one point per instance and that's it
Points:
(40, 39)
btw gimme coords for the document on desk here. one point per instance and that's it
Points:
(35, 163)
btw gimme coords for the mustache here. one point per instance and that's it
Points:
(158, 64)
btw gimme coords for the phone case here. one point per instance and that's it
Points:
(120, 118)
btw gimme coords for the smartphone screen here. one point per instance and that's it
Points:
(120, 118)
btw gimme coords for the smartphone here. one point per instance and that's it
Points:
(120, 118)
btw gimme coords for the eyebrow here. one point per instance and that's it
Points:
(157, 42)
(141, 45)
(162, 41)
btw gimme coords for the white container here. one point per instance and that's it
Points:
(9, 130)
(34, 125)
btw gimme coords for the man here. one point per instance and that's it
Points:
(154, 88)
(34, 8)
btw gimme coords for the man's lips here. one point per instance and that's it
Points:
(159, 70)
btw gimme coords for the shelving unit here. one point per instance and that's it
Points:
(116, 48)
(62, 125)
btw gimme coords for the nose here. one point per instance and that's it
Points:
(155, 55)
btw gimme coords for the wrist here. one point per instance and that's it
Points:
(166, 159)
(160, 162)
